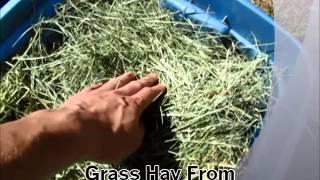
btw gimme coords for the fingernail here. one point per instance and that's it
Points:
(100, 83)
(130, 73)
(153, 75)
(163, 86)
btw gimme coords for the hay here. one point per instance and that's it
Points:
(215, 98)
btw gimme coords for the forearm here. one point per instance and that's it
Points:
(38, 145)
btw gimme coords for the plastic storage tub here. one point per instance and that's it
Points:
(289, 146)
(16, 16)
(249, 25)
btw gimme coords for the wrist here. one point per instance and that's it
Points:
(61, 133)
(46, 139)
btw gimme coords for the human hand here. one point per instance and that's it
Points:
(106, 116)
(100, 123)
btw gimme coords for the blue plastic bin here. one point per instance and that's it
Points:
(16, 16)
(249, 25)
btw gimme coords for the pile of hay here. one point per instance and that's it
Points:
(215, 98)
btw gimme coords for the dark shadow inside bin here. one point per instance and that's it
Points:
(156, 144)
(51, 38)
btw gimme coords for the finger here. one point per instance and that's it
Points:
(92, 87)
(147, 95)
(135, 86)
(119, 81)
